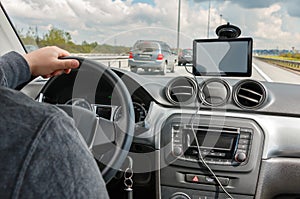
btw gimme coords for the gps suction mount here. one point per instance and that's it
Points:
(228, 31)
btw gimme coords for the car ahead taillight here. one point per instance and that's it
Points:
(130, 55)
(160, 57)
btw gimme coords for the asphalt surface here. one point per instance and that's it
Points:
(260, 71)
(272, 73)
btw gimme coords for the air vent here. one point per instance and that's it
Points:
(214, 92)
(181, 90)
(250, 94)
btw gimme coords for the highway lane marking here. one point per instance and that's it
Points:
(261, 73)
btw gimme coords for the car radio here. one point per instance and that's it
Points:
(217, 145)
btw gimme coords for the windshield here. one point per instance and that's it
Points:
(151, 37)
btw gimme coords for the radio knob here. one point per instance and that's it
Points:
(240, 157)
(177, 151)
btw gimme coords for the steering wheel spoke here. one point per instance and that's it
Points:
(105, 132)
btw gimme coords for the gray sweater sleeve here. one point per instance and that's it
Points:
(14, 70)
(60, 165)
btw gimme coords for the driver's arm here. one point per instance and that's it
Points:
(59, 164)
(16, 69)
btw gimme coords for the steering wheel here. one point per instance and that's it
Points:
(108, 140)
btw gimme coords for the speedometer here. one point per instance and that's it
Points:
(140, 113)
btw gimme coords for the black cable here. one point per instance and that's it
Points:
(200, 157)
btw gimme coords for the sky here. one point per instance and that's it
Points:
(273, 24)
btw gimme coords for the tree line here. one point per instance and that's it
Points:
(292, 56)
(63, 40)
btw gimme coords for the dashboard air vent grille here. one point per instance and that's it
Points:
(214, 92)
(250, 94)
(181, 90)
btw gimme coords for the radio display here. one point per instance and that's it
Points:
(212, 140)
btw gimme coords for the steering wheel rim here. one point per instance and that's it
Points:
(126, 125)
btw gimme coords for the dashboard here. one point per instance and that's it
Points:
(246, 132)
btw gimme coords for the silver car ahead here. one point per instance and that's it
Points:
(151, 55)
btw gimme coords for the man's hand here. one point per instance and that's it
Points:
(45, 62)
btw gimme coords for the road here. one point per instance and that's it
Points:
(271, 73)
(260, 71)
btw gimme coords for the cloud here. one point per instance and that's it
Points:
(271, 22)
(255, 3)
(293, 8)
(244, 3)
(267, 25)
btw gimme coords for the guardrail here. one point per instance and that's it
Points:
(111, 60)
(294, 65)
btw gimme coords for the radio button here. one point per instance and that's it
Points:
(177, 136)
(176, 127)
(204, 151)
(177, 141)
(212, 154)
(246, 130)
(224, 181)
(241, 151)
(177, 133)
(211, 180)
(245, 136)
(221, 154)
(194, 178)
(194, 152)
(240, 157)
(243, 146)
(244, 141)
(177, 151)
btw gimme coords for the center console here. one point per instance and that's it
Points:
(231, 147)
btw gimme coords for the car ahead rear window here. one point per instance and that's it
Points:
(187, 52)
(146, 47)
